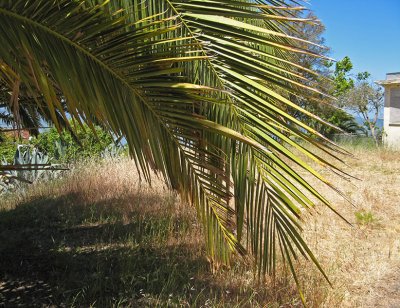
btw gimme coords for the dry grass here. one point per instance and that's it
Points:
(363, 261)
(100, 237)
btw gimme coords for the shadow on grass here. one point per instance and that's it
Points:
(53, 252)
(130, 251)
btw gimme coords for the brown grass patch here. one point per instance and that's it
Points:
(362, 260)
(101, 237)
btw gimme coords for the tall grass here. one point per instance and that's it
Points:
(363, 258)
(356, 141)
(100, 237)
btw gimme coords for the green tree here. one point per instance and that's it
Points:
(26, 112)
(342, 81)
(365, 99)
(336, 83)
(8, 147)
(199, 90)
(327, 81)
(92, 143)
(336, 113)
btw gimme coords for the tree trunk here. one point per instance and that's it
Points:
(372, 128)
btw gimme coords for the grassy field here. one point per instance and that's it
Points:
(100, 238)
(363, 261)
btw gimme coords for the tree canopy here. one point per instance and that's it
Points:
(366, 100)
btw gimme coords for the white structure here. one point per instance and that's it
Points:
(391, 117)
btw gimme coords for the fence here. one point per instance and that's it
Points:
(356, 139)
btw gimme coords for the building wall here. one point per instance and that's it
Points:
(391, 130)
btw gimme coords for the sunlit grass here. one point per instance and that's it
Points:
(100, 237)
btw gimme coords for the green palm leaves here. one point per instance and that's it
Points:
(200, 90)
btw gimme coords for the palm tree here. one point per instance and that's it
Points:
(199, 89)
(27, 112)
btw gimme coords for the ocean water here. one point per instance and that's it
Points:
(360, 121)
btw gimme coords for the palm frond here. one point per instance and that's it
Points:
(200, 90)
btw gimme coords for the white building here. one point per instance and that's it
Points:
(391, 116)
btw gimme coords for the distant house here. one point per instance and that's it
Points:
(24, 134)
(391, 116)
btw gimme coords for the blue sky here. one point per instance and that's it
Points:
(368, 31)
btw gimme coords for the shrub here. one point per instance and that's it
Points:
(8, 146)
(364, 217)
(16, 180)
(64, 148)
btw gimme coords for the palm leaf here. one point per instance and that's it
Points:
(200, 90)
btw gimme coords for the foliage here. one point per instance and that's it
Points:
(8, 146)
(335, 114)
(199, 90)
(30, 165)
(27, 112)
(343, 120)
(365, 99)
(334, 111)
(364, 217)
(64, 147)
(343, 82)
(113, 151)
(333, 82)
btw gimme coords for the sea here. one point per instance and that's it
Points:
(360, 121)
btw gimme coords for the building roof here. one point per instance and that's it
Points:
(388, 82)
(391, 79)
